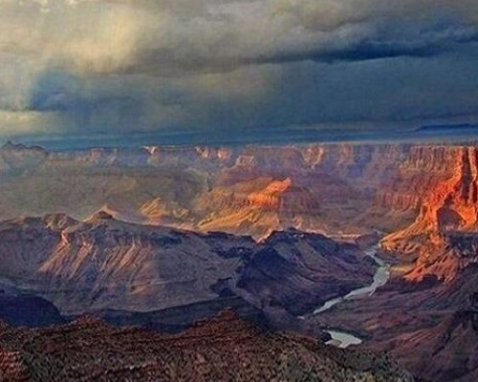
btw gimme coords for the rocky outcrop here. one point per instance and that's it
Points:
(418, 173)
(449, 203)
(260, 207)
(428, 327)
(103, 263)
(448, 212)
(423, 316)
(444, 352)
(444, 256)
(224, 348)
(157, 211)
(235, 189)
(300, 271)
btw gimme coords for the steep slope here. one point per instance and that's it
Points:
(159, 211)
(452, 203)
(445, 352)
(260, 206)
(106, 263)
(103, 263)
(441, 238)
(423, 317)
(429, 328)
(244, 190)
(221, 349)
(444, 256)
(411, 178)
(299, 271)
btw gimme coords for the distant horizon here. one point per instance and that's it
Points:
(433, 133)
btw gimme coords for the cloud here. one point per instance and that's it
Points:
(26, 122)
(105, 65)
(329, 15)
(173, 37)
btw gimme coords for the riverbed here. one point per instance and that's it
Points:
(342, 339)
(381, 277)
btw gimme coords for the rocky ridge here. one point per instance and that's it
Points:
(103, 263)
(243, 190)
(223, 348)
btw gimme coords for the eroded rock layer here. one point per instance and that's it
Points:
(104, 263)
(246, 190)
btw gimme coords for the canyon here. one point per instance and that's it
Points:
(106, 264)
(164, 236)
(251, 190)
(248, 190)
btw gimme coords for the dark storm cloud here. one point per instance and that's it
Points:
(371, 49)
(124, 65)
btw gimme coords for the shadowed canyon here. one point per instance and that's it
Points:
(139, 245)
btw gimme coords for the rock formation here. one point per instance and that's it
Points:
(103, 263)
(246, 190)
(220, 349)
(423, 197)
(442, 236)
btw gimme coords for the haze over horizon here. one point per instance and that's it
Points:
(455, 134)
(235, 70)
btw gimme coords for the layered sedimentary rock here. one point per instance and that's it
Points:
(106, 263)
(447, 351)
(295, 270)
(428, 327)
(450, 201)
(425, 195)
(221, 349)
(260, 207)
(417, 173)
(103, 263)
(442, 236)
(240, 190)
(444, 348)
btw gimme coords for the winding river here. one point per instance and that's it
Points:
(381, 277)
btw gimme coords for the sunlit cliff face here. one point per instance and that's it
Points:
(422, 197)
(250, 190)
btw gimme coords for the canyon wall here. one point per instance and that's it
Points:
(422, 198)
(415, 193)
(443, 234)
(246, 190)
(103, 263)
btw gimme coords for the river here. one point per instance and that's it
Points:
(381, 277)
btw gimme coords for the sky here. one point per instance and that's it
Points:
(124, 67)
